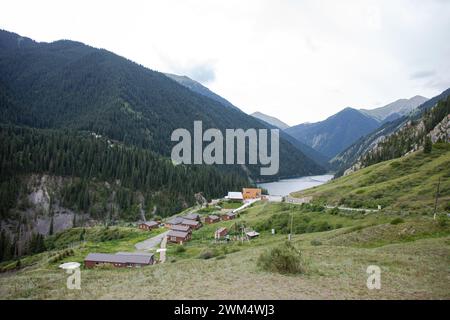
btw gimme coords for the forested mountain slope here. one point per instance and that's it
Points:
(67, 84)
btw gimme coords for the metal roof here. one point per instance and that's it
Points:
(190, 222)
(176, 220)
(235, 195)
(173, 233)
(214, 216)
(192, 216)
(124, 257)
(150, 223)
(178, 227)
(252, 234)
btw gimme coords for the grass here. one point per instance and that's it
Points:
(413, 255)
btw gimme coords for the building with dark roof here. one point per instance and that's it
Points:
(212, 219)
(192, 216)
(148, 225)
(182, 228)
(123, 259)
(229, 216)
(173, 221)
(191, 223)
(178, 236)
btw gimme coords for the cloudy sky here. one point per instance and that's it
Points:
(297, 60)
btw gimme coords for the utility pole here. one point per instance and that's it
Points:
(436, 200)
(292, 221)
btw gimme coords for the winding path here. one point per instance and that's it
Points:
(151, 242)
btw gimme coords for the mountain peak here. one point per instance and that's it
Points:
(399, 107)
(270, 120)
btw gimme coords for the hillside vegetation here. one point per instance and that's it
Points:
(412, 251)
(69, 85)
(403, 184)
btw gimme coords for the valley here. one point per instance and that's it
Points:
(87, 169)
(403, 239)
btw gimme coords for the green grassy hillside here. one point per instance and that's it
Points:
(413, 254)
(336, 247)
(407, 183)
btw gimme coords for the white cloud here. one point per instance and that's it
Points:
(296, 60)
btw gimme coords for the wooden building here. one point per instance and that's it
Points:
(252, 234)
(182, 228)
(173, 221)
(220, 233)
(234, 196)
(191, 223)
(148, 225)
(251, 193)
(212, 219)
(118, 260)
(229, 216)
(192, 216)
(178, 236)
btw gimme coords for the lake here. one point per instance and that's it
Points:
(286, 186)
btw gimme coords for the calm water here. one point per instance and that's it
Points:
(286, 186)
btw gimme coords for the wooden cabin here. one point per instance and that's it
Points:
(178, 236)
(251, 193)
(191, 223)
(173, 222)
(229, 216)
(119, 260)
(148, 225)
(220, 233)
(212, 219)
(182, 228)
(192, 216)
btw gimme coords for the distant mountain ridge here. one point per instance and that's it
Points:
(395, 109)
(201, 89)
(335, 133)
(349, 157)
(271, 120)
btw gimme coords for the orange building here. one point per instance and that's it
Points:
(251, 193)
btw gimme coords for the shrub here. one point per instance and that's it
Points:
(334, 211)
(207, 254)
(180, 249)
(397, 221)
(316, 242)
(442, 220)
(284, 259)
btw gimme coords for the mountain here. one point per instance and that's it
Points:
(69, 85)
(349, 157)
(336, 133)
(395, 109)
(271, 120)
(199, 88)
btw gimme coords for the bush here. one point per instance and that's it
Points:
(334, 211)
(397, 221)
(207, 254)
(442, 220)
(316, 242)
(284, 259)
(180, 249)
